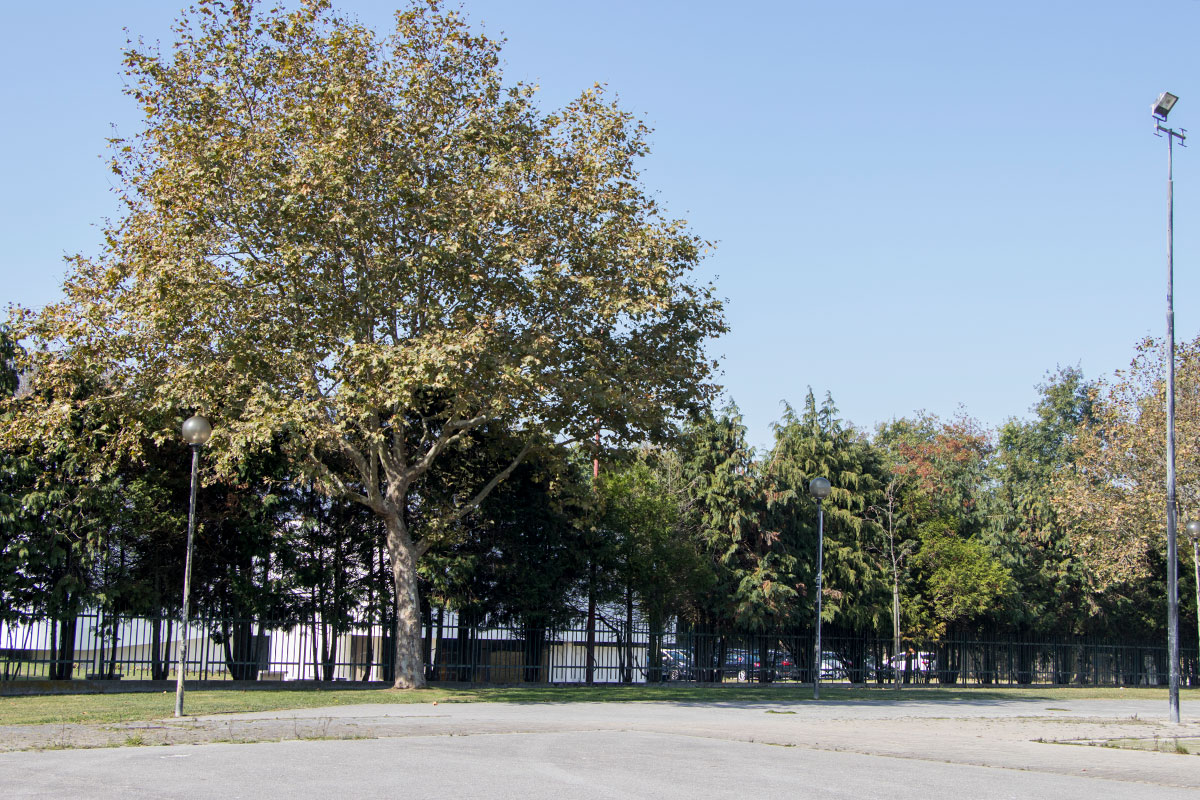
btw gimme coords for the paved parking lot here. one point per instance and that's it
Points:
(860, 749)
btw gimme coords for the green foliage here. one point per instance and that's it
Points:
(643, 507)
(750, 576)
(1111, 497)
(9, 377)
(58, 508)
(324, 228)
(963, 582)
(817, 443)
(520, 558)
(1027, 533)
(942, 466)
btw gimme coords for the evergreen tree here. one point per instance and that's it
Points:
(1027, 533)
(752, 578)
(817, 443)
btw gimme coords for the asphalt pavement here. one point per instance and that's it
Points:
(577, 751)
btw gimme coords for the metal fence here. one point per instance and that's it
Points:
(109, 647)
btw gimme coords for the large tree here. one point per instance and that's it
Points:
(817, 443)
(324, 229)
(1025, 527)
(1114, 498)
(936, 485)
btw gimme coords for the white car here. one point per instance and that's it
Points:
(922, 663)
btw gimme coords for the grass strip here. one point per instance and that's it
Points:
(109, 708)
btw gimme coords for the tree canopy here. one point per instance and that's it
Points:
(324, 229)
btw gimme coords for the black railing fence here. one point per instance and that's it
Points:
(110, 647)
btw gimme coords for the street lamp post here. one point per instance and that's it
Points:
(196, 431)
(1161, 108)
(819, 488)
(1193, 529)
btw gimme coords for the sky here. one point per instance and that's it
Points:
(921, 206)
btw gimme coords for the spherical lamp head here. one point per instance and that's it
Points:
(819, 488)
(1193, 529)
(196, 430)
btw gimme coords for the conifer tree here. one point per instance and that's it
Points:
(817, 443)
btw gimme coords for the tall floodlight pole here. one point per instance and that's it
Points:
(819, 488)
(196, 431)
(1161, 108)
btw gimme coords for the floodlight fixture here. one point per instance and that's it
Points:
(1163, 105)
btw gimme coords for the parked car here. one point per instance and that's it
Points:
(677, 665)
(782, 666)
(737, 665)
(833, 667)
(873, 670)
(923, 664)
(778, 666)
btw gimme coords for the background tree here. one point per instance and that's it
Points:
(661, 569)
(943, 466)
(60, 513)
(938, 488)
(748, 583)
(817, 443)
(326, 560)
(10, 379)
(961, 580)
(520, 560)
(1114, 498)
(896, 546)
(1026, 530)
(320, 227)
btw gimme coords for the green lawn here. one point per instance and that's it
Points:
(102, 708)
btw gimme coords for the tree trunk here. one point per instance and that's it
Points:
(654, 655)
(896, 645)
(410, 671)
(111, 671)
(438, 652)
(329, 644)
(628, 677)
(241, 646)
(316, 653)
(465, 647)
(427, 642)
(387, 622)
(534, 646)
(590, 645)
(155, 644)
(64, 664)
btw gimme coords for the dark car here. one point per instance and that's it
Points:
(736, 665)
(780, 666)
(677, 665)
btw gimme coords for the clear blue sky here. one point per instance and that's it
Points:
(917, 205)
